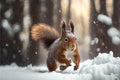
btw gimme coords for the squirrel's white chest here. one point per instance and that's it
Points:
(69, 55)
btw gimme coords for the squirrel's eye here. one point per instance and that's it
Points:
(66, 39)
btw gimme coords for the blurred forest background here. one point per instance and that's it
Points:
(95, 34)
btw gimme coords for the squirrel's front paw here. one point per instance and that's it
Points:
(62, 68)
(69, 63)
(75, 67)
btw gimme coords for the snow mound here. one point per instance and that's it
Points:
(115, 35)
(113, 32)
(102, 67)
(103, 58)
(104, 19)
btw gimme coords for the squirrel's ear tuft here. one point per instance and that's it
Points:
(63, 25)
(71, 26)
(63, 30)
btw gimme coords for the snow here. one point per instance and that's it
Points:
(104, 19)
(60, 11)
(8, 13)
(6, 45)
(98, 49)
(94, 22)
(113, 32)
(102, 67)
(95, 41)
(16, 27)
(26, 21)
(6, 25)
(11, 29)
(115, 35)
(116, 40)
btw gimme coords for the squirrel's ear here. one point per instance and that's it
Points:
(71, 26)
(63, 31)
(63, 25)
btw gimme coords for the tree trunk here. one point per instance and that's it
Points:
(57, 15)
(116, 24)
(35, 11)
(43, 13)
(93, 28)
(49, 12)
(104, 40)
(69, 11)
(35, 19)
(101, 42)
(11, 44)
(116, 14)
(103, 7)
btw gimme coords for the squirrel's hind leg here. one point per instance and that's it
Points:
(51, 64)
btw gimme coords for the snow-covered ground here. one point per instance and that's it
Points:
(103, 67)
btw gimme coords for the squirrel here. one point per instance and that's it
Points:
(61, 48)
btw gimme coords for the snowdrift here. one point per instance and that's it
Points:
(102, 67)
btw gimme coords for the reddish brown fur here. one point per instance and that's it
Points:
(57, 50)
(77, 59)
(43, 31)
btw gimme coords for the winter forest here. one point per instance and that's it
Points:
(97, 29)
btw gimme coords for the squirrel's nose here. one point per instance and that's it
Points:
(73, 46)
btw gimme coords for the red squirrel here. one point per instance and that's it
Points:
(61, 48)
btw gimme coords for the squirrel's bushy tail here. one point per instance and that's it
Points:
(44, 33)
